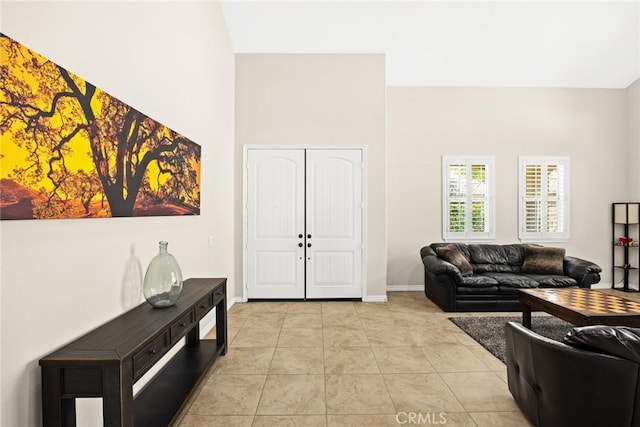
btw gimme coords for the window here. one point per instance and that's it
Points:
(544, 198)
(467, 198)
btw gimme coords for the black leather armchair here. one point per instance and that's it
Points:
(589, 380)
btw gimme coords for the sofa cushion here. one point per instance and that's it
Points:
(513, 280)
(452, 255)
(479, 281)
(496, 258)
(621, 341)
(553, 280)
(543, 260)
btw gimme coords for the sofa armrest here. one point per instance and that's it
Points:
(437, 267)
(427, 250)
(585, 272)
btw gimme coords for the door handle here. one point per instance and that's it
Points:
(308, 236)
(300, 236)
(308, 245)
(300, 245)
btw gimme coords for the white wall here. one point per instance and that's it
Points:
(633, 139)
(60, 278)
(424, 123)
(318, 100)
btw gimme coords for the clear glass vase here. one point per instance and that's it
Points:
(163, 279)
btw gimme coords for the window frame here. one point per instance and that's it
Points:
(469, 160)
(563, 201)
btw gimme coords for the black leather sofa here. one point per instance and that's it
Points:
(496, 275)
(589, 379)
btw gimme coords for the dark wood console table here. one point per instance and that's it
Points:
(107, 361)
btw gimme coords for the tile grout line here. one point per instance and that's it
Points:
(324, 368)
(384, 380)
(266, 377)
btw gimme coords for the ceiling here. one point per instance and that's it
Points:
(451, 43)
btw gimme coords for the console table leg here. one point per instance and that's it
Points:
(117, 399)
(221, 325)
(68, 412)
(56, 411)
(193, 336)
(64, 414)
(526, 316)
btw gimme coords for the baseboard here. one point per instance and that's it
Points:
(399, 288)
(619, 286)
(235, 300)
(370, 298)
(375, 298)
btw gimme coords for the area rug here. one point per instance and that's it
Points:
(489, 331)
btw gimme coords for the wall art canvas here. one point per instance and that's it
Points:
(70, 150)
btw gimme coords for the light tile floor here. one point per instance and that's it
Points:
(351, 364)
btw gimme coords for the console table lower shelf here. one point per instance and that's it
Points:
(159, 401)
(107, 361)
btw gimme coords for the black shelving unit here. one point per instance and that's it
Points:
(625, 258)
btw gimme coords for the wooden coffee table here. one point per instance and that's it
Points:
(581, 307)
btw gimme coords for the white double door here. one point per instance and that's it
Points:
(304, 210)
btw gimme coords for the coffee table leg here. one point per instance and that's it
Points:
(526, 316)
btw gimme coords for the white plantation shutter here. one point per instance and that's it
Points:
(532, 198)
(467, 197)
(544, 202)
(457, 183)
(479, 199)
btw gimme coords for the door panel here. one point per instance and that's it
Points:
(333, 268)
(275, 219)
(334, 224)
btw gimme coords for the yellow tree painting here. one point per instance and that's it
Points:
(71, 150)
